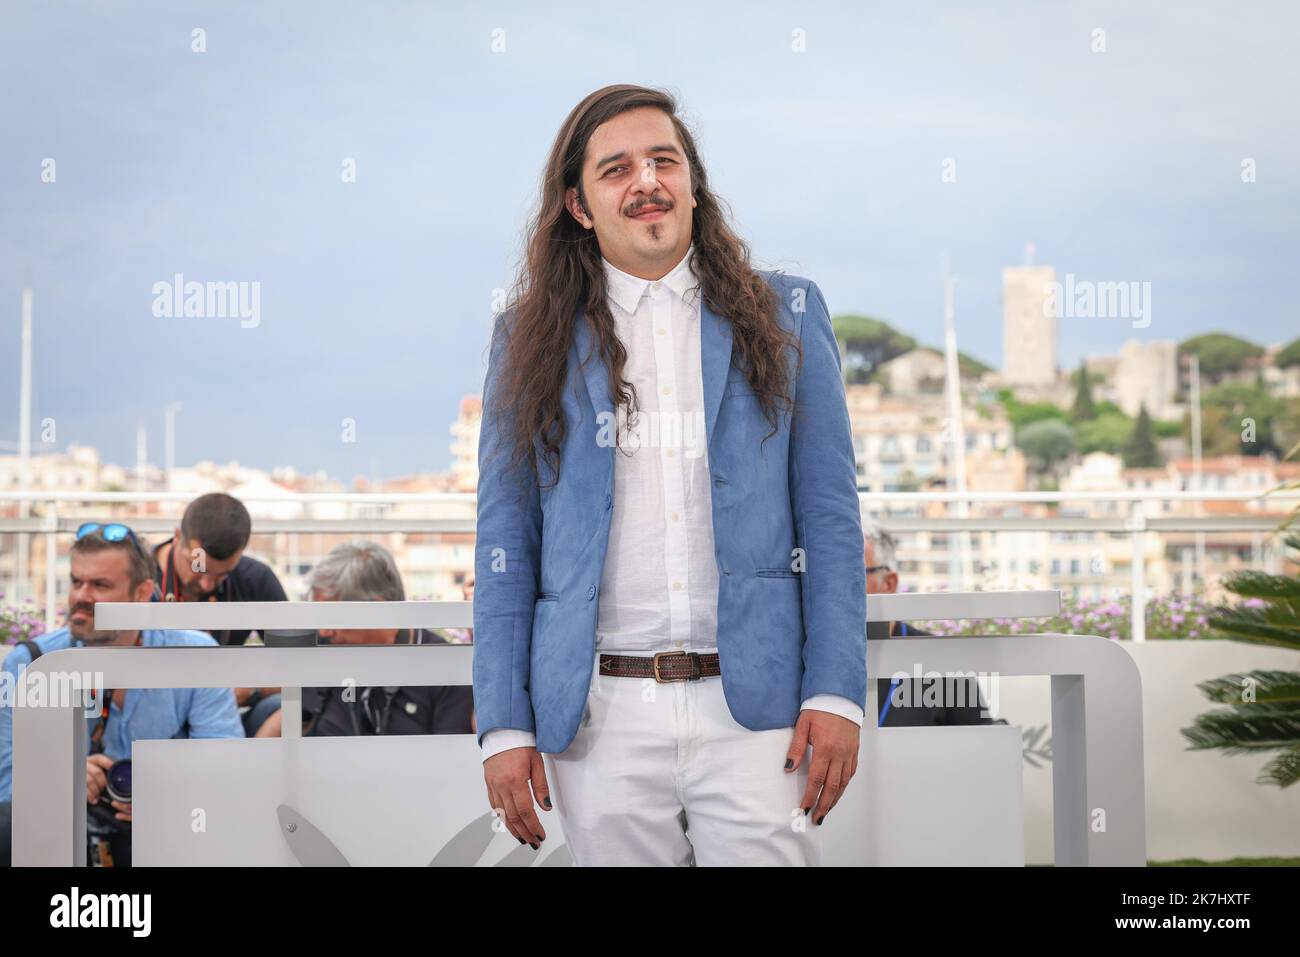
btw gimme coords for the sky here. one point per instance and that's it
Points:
(827, 127)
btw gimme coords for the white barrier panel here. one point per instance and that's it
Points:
(410, 800)
(405, 800)
(1098, 791)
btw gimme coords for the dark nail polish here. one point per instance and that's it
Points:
(547, 802)
(820, 819)
(532, 845)
(539, 838)
(789, 763)
(806, 810)
(521, 840)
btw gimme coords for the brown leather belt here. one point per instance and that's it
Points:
(663, 667)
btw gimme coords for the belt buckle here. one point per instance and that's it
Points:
(666, 654)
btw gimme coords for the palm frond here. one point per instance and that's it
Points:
(1250, 624)
(1252, 583)
(1262, 726)
(1265, 686)
(1271, 721)
(1283, 770)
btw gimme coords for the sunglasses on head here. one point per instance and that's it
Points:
(109, 533)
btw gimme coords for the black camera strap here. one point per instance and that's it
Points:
(101, 726)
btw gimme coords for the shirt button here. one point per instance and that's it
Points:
(591, 593)
(655, 287)
(677, 585)
(679, 644)
(667, 390)
(661, 332)
(669, 452)
(676, 516)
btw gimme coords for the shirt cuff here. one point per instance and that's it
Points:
(503, 739)
(832, 703)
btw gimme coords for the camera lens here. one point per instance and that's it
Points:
(119, 781)
(290, 638)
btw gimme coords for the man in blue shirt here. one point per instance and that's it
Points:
(110, 564)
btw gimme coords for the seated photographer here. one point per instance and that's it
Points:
(109, 563)
(364, 571)
(204, 560)
(924, 701)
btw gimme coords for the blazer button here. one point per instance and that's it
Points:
(609, 499)
(591, 593)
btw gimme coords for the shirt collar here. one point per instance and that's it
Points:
(626, 290)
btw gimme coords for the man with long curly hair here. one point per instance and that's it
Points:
(669, 616)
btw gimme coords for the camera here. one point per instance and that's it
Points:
(108, 839)
(102, 811)
(290, 638)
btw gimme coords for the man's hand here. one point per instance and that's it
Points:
(834, 742)
(97, 766)
(508, 776)
(123, 810)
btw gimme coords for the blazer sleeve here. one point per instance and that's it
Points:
(827, 518)
(507, 556)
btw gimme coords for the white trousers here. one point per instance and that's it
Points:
(662, 774)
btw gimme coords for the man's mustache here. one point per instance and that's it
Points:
(661, 203)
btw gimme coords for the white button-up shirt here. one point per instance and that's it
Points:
(659, 586)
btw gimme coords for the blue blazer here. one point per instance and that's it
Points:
(787, 629)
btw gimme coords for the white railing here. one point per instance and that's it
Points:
(60, 516)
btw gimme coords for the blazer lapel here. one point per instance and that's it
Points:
(596, 375)
(715, 361)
